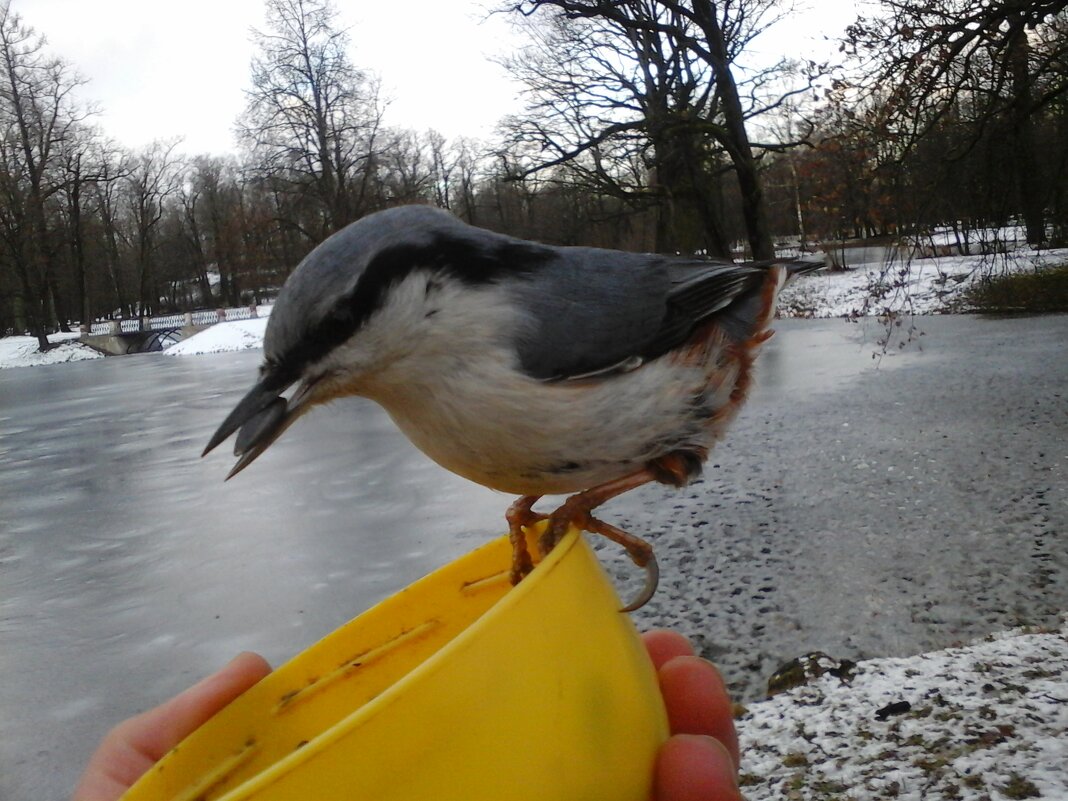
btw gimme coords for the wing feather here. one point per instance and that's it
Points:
(597, 312)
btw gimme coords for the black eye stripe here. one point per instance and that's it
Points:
(469, 262)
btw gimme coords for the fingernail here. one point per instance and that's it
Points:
(716, 754)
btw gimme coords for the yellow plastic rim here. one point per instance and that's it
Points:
(457, 687)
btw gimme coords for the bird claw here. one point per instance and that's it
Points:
(520, 516)
(558, 527)
(652, 580)
(575, 511)
(639, 551)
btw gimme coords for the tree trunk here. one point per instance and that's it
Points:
(81, 284)
(1028, 180)
(736, 140)
(32, 309)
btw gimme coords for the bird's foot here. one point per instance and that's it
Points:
(576, 512)
(520, 516)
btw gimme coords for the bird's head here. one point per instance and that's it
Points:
(313, 342)
(357, 303)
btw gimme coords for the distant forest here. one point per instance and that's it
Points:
(646, 127)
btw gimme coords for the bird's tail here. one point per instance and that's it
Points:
(749, 317)
(802, 266)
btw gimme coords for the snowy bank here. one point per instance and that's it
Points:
(922, 286)
(987, 721)
(24, 352)
(222, 338)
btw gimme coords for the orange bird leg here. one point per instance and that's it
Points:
(520, 516)
(640, 552)
(575, 511)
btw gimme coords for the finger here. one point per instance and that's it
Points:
(158, 730)
(133, 746)
(664, 644)
(697, 701)
(692, 767)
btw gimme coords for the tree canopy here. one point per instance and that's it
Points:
(647, 127)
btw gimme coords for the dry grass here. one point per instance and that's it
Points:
(1042, 291)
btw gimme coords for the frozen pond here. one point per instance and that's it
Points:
(857, 509)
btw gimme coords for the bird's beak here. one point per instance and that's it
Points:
(259, 419)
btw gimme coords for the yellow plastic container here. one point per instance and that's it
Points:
(458, 687)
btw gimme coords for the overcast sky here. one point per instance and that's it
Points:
(165, 68)
(160, 69)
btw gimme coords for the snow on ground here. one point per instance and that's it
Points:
(222, 337)
(988, 721)
(24, 352)
(922, 286)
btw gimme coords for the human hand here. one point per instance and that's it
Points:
(700, 760)
(135, 745)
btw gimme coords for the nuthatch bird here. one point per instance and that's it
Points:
(530, 369)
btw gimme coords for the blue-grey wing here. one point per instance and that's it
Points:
(596, 311)
(700, 291)
(588, 310)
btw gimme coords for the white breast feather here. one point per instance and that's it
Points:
(443, 365)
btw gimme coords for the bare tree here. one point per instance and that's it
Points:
(113, 165)
(78, 174)
(442, 165)
(470, 157)
(654, 79)
(312, 119)
(407, 168)
(37, 113)
(980, 64)
(198, 245)
(458, 168)
(152, 180)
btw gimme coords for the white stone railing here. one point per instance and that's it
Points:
(203, 317)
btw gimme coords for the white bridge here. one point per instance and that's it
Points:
(139, 335)
(203, 318)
